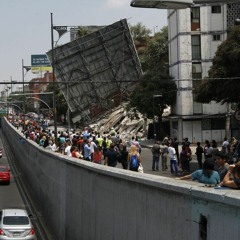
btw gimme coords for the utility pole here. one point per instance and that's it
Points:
(54, 85)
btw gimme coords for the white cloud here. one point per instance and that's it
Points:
(117, 3)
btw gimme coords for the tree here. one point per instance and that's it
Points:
(61, 104)
(155, 80)
(140, 33)
(153, 83)
(82, 31)
(155, 55)
(223, 83)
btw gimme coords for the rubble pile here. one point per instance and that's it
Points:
(127, 123)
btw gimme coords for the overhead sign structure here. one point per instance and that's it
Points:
(175, 4)
(61, 30)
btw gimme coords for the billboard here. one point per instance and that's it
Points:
(39, 69)
(39, 60)
(97, 70)
(40, 63)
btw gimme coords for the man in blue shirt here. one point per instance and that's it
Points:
(206, 175)
(87, 151)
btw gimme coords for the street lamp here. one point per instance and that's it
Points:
(61, 31)
(175, 4)
(169, 4)
(154, 122)
(31, 96)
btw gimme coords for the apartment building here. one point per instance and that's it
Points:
(194, 35)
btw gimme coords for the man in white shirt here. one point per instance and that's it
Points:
(173, 159)
(225, 146)
(67, 150)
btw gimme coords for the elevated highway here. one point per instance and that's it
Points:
(82, 200)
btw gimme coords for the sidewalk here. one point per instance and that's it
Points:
(148, 143)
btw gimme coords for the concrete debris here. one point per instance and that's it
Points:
(127, 123)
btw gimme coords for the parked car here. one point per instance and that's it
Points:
(16, 224)
(4, 174)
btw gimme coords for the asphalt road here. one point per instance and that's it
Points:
(9, 194)
(146, 156)
(15, 195)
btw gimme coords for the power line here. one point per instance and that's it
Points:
(117, 81)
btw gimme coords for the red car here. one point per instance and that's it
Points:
(4, 175)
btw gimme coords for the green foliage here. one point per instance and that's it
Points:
(140, 33)
(223, 84)
(153, 83)
(61, 104)
(156, 52)
(82, 31)
(156, 79)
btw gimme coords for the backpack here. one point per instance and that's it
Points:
(134, 162)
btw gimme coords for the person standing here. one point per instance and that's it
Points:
(173, 159)
(123, 156)
(156, 155)
(184, 160)
(164, 152)
(67, 150)
(111, 156)
(97, 155)
(87, 151)
(134, 158)
(199, 152)
(225, 146)
(176, 144)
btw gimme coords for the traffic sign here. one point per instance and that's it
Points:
(237, 115)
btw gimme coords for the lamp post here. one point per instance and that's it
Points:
(61, 31)
(154, 122)
(31, 96)
(54, 80)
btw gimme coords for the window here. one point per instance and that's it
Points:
(195, 19)
(195, 15)
(213, 124)
(196, 71)
(216, 9)
(196, 47)
(216, 37)
(15, 220)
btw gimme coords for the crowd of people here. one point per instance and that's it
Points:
(218, 165)
(107, 148)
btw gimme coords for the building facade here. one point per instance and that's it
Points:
(194, 36)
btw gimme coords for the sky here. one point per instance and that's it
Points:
(25, 26)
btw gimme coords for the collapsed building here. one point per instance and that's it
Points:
(97, 72)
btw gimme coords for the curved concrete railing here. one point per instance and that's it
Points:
(83, 200)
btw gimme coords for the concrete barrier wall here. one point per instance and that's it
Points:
(85, 201)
